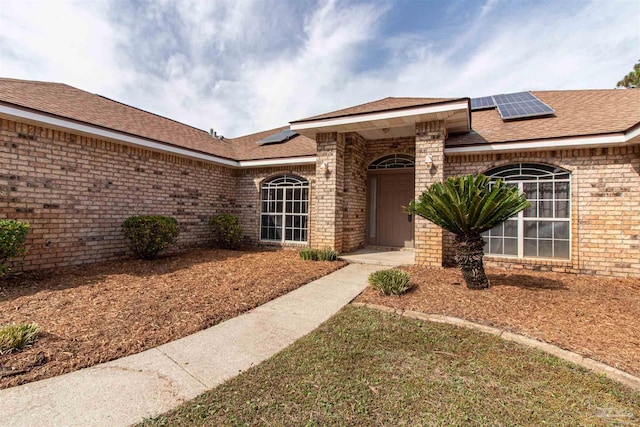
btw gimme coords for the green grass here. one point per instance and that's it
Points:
(364, 367)
(17, 336)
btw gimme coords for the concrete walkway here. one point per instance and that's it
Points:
(386, 257)
(125, 391)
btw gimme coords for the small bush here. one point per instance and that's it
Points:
(226, 231)
(390, 282)
(12, 237)
(309, 254)
(17, 336)
(148, 235)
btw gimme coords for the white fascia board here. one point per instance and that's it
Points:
(111, 135)
(277, 162)
(548, 144)
(385, 115)
(633, 133)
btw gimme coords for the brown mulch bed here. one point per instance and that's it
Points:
(594, 316)
(93, 314)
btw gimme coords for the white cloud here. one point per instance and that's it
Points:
(67, 42)
(247, 65)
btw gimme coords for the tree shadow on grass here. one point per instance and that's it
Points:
(62, 278)
(526, 281)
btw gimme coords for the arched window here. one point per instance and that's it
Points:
(284, 209)
(544, 229)
(393, 161)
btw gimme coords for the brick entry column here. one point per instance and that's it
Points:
(430, 137)
(327, 227)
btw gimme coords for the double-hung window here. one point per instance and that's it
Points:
(543, 230)
(284, 209)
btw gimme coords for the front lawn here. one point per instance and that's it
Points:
(92, 314)
(365, 367)
(594, 316)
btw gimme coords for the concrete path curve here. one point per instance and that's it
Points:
(125, 391)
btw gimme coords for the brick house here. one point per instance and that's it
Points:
(75, 164)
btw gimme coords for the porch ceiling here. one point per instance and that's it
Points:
(391, 124)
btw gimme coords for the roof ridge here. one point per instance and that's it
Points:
(277, 129)
(147, 112)
(40, 82)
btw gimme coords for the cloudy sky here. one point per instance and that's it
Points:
(241, 66)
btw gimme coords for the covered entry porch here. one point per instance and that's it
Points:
(372, 160)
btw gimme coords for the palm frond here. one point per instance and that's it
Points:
(469, 204)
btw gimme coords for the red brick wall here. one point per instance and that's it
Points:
(327, 230)
(76, 191)
(355, 193)
(605, 198)
(430, 137)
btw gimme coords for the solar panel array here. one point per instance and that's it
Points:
(513, 105)
(519, 105)
(482, 103)
(282, 136)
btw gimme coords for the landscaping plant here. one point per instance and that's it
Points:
(12, 237)
(468, 206)
(390, 282)
(226, 231)
(310, 254)
(17, 336)
(148, 235)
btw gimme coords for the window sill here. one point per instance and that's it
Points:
(530, 261)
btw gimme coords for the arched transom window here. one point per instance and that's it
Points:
(544, 229)
(393, 161)
(284, 209)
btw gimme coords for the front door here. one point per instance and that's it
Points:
(389, 224)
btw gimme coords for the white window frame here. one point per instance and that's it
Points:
(284, 183)
(515, 174)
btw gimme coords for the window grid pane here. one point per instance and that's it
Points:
(284, 209)
(546, 224)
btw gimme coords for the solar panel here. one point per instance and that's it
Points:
(520, 105)
(482, 103)
(282, 136)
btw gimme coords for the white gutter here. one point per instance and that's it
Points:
(12, 112)
(277, 162)
(546, 144)
(385, 115)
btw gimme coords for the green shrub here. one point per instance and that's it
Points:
(148, 235)
(309, 254)
(12, 237)
(226, 231)
(390, 282)
(17, 336)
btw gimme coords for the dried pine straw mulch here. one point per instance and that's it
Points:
(93, 314)
(594, 316)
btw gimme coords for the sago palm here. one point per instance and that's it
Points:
(468, 206)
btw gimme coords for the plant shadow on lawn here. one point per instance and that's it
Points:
(526, 281)
(62, 278)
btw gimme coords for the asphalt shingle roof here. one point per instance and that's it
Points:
(68, 102)
(385, 104)
(578, 112)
